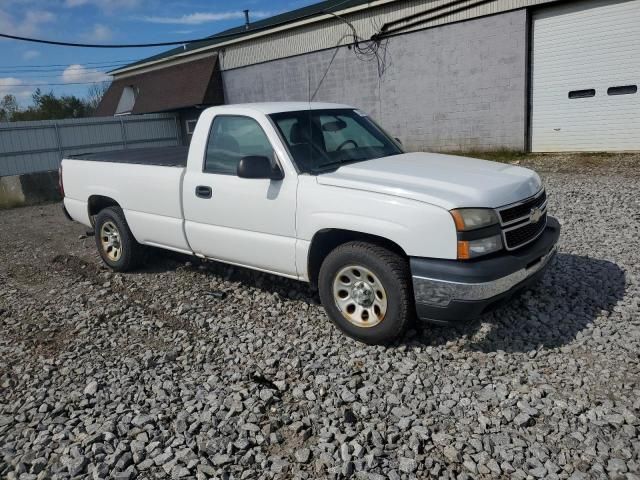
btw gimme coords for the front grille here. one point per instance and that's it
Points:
(517, 220)
(522, 210)
(519, 236)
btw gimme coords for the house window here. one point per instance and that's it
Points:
(127, 100)
(623, 90)
(191, 126)
(590, 92)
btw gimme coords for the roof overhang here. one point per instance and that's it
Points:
(188, 84)
(159, 63)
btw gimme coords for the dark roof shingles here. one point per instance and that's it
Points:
(179, 86)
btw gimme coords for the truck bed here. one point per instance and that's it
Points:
(160, 156)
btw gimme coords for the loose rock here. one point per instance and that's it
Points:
(147, 374)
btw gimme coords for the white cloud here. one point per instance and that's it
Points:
(198, 18)
(30, 54)
(108, 5)
(8, 82)
(35, 17)
(29, 24)
(99, 33)
(14, 86)
(78, 73)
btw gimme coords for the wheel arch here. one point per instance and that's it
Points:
(326, 240)
(97, 203)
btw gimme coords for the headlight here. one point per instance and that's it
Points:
(467, 219)
(472, 218)
(474, 248)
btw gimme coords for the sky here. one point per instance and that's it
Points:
(66, 70)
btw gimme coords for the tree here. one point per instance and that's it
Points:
(46, 106)
(95, 94)
(8, 108)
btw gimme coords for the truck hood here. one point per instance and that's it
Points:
(447, 181)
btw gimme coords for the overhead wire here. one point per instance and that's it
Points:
(46, 68)
(50, 84)
(230, 34)
(15, 69)
(104, 45)
(326, 71)
(388, 32)
(66, 64)
(365, 50)
(422, 13)
(77, 75)
(56, 78)
(58, 69)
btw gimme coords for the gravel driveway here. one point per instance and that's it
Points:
(200, 370)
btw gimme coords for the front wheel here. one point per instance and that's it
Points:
(116, 245)
(366, 291)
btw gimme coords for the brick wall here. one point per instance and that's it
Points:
(456, 87)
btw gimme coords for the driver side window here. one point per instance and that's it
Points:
(351, 135)
(232, 138)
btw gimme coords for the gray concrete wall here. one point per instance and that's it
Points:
(29, 189)
(456, 87)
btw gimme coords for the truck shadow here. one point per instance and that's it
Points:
(574, 292)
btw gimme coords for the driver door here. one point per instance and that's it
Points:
(249, 222)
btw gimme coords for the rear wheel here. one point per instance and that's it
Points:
(116, 245)
(366, 291)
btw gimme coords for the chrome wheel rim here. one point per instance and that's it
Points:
(110, 240)
(360, 296)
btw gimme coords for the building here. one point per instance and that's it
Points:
(439, 74)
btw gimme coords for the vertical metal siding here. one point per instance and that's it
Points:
(28, 147)
(326, 34)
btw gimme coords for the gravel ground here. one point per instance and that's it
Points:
(625, 163)
(200, 370)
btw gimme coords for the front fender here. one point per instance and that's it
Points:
(420, 229)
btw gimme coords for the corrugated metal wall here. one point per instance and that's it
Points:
(28, 147)
(326, 34)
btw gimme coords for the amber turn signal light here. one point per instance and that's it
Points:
(463, 250)
(459, 221)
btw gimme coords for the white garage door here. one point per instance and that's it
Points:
(586, 77)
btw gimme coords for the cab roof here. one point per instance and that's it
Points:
(268, 108)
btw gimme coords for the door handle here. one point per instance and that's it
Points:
(202, 191)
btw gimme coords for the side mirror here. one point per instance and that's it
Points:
(397, 140)
(255, 166)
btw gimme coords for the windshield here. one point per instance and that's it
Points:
(323, 140)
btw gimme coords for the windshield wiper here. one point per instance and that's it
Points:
(339, 163)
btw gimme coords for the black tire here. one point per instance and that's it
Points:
(392, 271)
(131, 252)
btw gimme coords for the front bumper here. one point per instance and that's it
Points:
(451, 291)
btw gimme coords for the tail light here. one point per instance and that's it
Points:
(60, 183)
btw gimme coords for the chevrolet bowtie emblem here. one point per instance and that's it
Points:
(535, 215)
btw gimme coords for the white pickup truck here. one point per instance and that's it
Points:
(319, 193)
